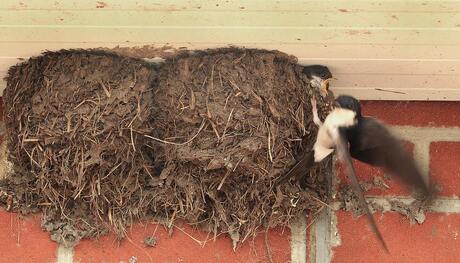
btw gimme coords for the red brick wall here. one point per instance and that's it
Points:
(433, 134)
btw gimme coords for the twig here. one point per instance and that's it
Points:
(391, 91)
(106, 91)
(31, 140)
(111, 171)
(269, 144)
(175, 143)
(131, 122)
(138, 106)
(234, 86)
(190, 236)
(314, 218)
(226, 125)
(192, 102)
(221, 82)
(267, 247)
(132, 140)
(214, 128)
(31, 158)
(206, 240)
(226, 100)
(228, 172)
(321, 202)
(239, 59)
(81, 103)
(223, 179)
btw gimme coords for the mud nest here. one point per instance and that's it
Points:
(98, 141)
(73, 120)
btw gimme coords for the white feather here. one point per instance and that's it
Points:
(328, 132)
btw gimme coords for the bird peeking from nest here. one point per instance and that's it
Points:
(319, 77)
(365, 139)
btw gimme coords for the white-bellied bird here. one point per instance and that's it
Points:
(365, 139)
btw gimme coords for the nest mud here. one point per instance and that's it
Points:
(98, 141)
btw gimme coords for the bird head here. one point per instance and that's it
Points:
(320, 71)
(348, 102)
(319, 76)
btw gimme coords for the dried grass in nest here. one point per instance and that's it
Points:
(74, 121)
(98, 141)
(231, 121)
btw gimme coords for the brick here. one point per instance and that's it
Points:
(23, 240)
(436, 240)
(414, 113)
(445, 167)
(366, 174)
(180, 247)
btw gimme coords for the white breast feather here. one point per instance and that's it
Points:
(327, 133)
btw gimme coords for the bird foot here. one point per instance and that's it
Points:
(314, 110)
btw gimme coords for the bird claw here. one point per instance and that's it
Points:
(314, 110)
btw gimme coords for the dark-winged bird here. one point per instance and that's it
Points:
(365, 139)
(319, 77)
(372, 143)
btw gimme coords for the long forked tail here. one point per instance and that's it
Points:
(305, 163)
(344, 155)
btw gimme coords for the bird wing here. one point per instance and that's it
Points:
(369, 126)
(305, 163)
(375, 145)
(344, 156)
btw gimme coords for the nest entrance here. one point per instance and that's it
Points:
(98, 141)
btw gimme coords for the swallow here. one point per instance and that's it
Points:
(319, 77)
(332, 136)
(372, 143)
(369, 141)
(365, 139)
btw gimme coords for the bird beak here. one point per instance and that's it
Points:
(326, 83)
(329, 79)
(324, 87)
